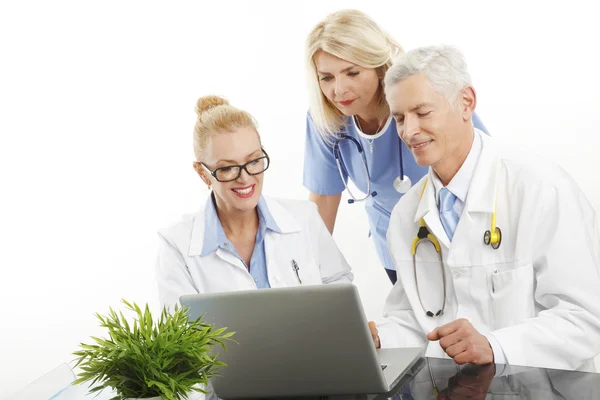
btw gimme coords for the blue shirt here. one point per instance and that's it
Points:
(215, 238)
(321, 174)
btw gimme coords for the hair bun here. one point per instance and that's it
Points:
(205, 103)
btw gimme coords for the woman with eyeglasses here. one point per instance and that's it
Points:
(349, 130)
(240, 239)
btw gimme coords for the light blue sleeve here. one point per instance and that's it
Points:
(477, 123)
(321, 174)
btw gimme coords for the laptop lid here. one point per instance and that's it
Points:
(300, 341)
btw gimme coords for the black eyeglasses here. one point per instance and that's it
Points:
(233, 172)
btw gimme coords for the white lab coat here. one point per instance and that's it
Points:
(538, 295)
(180, 268)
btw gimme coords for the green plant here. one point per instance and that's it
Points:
(169, 357)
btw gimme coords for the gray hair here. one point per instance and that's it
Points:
(443, 66)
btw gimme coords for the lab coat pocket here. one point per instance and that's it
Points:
(511, 291)
(290, 260)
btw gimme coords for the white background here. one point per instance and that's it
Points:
(97, 109)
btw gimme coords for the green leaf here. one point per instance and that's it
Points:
(167, 356)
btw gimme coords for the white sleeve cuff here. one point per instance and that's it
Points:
(499, 356)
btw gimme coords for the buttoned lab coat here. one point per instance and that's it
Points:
(538, 294)
(180, 268)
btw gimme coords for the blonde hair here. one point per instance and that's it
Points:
(352, 36)
(215, 116)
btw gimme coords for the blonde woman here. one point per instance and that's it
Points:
(349, 130)
(240, 239)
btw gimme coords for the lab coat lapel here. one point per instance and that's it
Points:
(286, 222)
(428, 210)
(479, 206)
(482, 190)
(279, 246)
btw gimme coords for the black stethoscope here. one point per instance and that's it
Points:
(491, 237)
(402, 183)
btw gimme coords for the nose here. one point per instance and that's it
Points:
(244, 176)
(412, 127)
(340, 87)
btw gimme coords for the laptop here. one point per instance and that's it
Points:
(299, 341)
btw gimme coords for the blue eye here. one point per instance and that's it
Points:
(326, 78)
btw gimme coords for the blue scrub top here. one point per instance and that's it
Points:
(321, 174)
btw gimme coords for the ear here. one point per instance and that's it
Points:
(467, 102)
(201, 172)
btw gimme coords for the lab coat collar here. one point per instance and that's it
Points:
(274, 215)
(428, 210)
(482, 190)
(427, 201)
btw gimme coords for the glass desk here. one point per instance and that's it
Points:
(434, 378)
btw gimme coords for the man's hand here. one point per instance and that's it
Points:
(463, 343)
(374, 334)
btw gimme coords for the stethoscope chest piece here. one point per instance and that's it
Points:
(402, 185)
(493, 240)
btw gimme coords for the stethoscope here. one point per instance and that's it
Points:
(402, 183)
(424, 235)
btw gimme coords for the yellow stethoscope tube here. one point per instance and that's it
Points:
(491, 237)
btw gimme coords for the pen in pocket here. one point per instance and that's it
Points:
(296, 269)
(494, 286)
